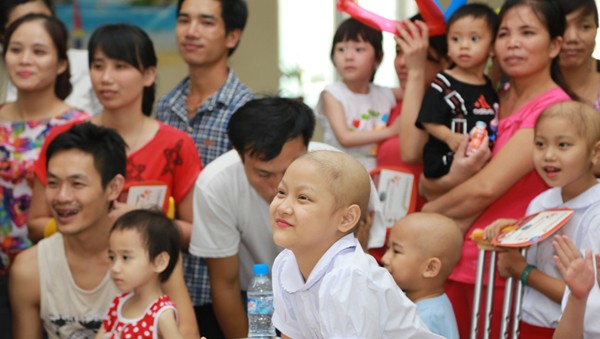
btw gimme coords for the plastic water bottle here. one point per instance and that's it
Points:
(477, 134)
(260, 304)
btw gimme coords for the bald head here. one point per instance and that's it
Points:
(436, 236)
(583, 117)
(348, 179)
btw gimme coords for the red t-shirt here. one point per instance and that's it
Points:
(388, 154)
(170, 157)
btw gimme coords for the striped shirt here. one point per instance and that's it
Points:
(208, 128)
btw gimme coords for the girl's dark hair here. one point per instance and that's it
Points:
(587, 7)
(354, 30)
(551, 15)
(59, 36)
(130, 44)
(7, 6)
(159, 234)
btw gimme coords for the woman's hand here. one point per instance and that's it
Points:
(413, 39)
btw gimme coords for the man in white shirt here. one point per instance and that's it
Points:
(231, 200)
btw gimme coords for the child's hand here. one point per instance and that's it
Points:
(511, 263)
(577, 272)
(453, 140)
(496, 227)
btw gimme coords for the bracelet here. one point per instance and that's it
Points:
(525, 273)
(50, 228)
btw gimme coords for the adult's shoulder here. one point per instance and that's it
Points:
(24, 269)
(223, 169)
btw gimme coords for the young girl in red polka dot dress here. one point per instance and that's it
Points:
(143, 250)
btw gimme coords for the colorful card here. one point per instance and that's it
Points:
(534, 228)
(147, 196)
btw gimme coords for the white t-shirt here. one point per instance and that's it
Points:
(347, 295)
(537, 309)
(590, 239)
(231, 218)
(363, 112)
(82, 96)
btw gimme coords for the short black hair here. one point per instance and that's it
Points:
(60, 38)
(104, 144)
(354, 30)
(234, 14)
(262, 126)
(7, 6)
(159, 234)
(477, 11)
(130, 44)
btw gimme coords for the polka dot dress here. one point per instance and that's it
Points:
(144, 327)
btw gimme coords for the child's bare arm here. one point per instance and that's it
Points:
(578, 273)
(445, 134)
(100, 333)
(334, 112)
(167, 325)
(512, 264)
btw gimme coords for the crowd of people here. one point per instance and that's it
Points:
(244, 182)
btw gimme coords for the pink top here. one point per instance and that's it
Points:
(513, 203)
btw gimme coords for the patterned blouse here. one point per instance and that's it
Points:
(20, 144)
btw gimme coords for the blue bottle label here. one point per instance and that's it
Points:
(260, 306)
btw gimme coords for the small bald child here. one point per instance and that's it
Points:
(423, 248)
(324, 285)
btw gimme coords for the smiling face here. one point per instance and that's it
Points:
(305, 213)
(355, 61)
(201, 34)
(32, 59)
(131, 267)
(579, 39)
(74, 192)
(523, 44)
(118, 85)
(563, 157)
(469, 43)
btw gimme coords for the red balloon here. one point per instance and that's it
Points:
(431, 13)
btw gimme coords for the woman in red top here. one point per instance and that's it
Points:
(123, 70)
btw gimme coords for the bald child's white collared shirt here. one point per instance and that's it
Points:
(347, 295)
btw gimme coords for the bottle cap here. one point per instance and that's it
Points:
(261, 269)
(480, 123)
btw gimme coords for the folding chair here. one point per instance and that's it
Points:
(398, 192)
(508, 301)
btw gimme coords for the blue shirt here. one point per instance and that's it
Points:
(208, 128)
(438, 315)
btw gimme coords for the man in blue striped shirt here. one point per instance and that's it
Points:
(207, 33)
